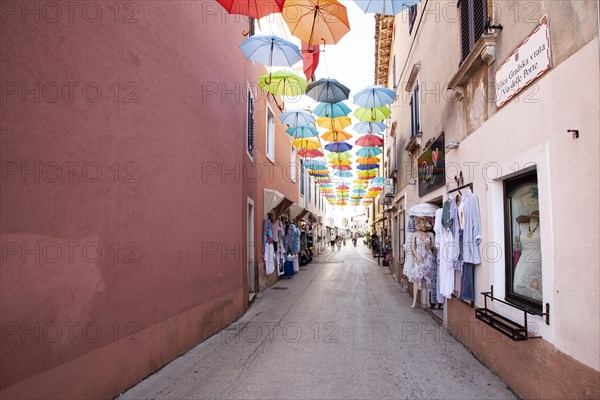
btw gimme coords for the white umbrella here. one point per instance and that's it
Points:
(422, 210)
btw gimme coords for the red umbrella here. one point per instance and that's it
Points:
(342, 167)
(369, 141)
(310, 59)
(252, 8)
(310, 153)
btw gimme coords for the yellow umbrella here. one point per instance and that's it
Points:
(306, 144)
(341, 163)
(313, 21)
(283, 83)
(368, 160)
(334, 124)
(339, 156)
(336, 136)
(372, 114)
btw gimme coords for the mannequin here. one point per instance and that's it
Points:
(422, 248)
(528, 271)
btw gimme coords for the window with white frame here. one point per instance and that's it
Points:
(293, 164)
(523, 241)
(270, 134)
(415, 125)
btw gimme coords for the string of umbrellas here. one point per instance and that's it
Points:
(313, 22)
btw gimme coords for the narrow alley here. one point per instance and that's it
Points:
(341, 328)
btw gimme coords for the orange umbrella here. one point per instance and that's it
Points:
(336, 136)
(313, 21)
(368, 160)
(334, 124)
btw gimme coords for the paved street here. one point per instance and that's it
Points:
(340, 329)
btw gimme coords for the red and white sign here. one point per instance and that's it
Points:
(528, 62)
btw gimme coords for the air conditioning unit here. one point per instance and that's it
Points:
(388, 188)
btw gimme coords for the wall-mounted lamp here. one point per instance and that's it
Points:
(413, 181)
(452, 144)
(575, 133)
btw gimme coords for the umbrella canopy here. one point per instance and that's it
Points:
(339, 156)
(332, 110)
(343, 174)
(367, 166)
(338, 147)
(310, 153)
(368, 160)
(313, 21)
(370, 127)
(297, 118)
(283, 83)
(372, 114)
(302, 131)
(385, 7)
(369, 151)
(340, 163)
(327, 91)
(271, 50)
(310, 59)
(336, 136)
(306, 144)
(342, 167)
(369, 141)
(252, 8)
(422, 210)
(315, 164)
(374, 96)
(334, 124)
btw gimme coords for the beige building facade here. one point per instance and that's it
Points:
(511, 90)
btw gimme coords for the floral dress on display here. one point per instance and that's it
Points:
(425, 267)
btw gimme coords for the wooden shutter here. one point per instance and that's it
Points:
(465, 31)
(250, 124)
(479, 14)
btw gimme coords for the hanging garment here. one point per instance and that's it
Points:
(267, 232)
(467, 285)
(289, 238)
(269, 258)
(425, 264)
(471, 229)
(278, 232)
(437, 228)
(296, 240)
(449, 248)
(408, 258)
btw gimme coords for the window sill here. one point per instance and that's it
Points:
(484, 51)
(413, 144)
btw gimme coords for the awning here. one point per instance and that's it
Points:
(276, 202)
(378, 220)
(295, 211)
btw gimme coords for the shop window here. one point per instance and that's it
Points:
(415, 125)
(523, 245)
(250, 123)
(270, 134)
(473, 14)
(412, 16)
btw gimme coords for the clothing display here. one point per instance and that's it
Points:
(269, 258)
(424, 265)
(278, 232)
(528, 271)
(467, 282)
(471, 225)
(449, 248)
(437, 229)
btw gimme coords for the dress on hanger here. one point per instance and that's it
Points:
(424, 267)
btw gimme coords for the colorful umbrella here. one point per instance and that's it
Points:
(368, 160)
(385, 7)
(313, 21)
(340, 163)
(327, 91)
(306, 144)
(310, 153)
(338, 147)
(367, 166)
(283, 83)
(374, 96)
(339, 156)
(342, 167)
(310, 59)
(334, 124)
(372, 114)
(336, 136)
(252, 8)
(370, 127)
(297, 118)
(271, 50)
(332, 110)
(369, 151)
(302, 131)
(343, 174)
(315, 164)
(369, 141)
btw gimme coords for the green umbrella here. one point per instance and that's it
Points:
(283, 83)
(372, 114)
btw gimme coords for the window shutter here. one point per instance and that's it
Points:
(250, 124)
(479, 13)
(465, 36)
(417, 108)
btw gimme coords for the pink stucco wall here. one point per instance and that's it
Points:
(117, 222)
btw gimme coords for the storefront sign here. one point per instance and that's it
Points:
(529, 61)
(432, 167)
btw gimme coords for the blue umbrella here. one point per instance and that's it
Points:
(365, 167)
(313, 164)
(369, 151)
(338, 147)
(297, 118)
(302, 131)
(374, 96)
(271, 50)
(330, 110)
(370, 127)
(327, 91)
(386, 7)
(343, 174)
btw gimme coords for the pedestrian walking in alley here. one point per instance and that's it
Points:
(344, 239)
(332, 240)
(375, 244)
(354, 238)
(339, 242)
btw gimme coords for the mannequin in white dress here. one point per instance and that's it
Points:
(528, 271)
(422, 249)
